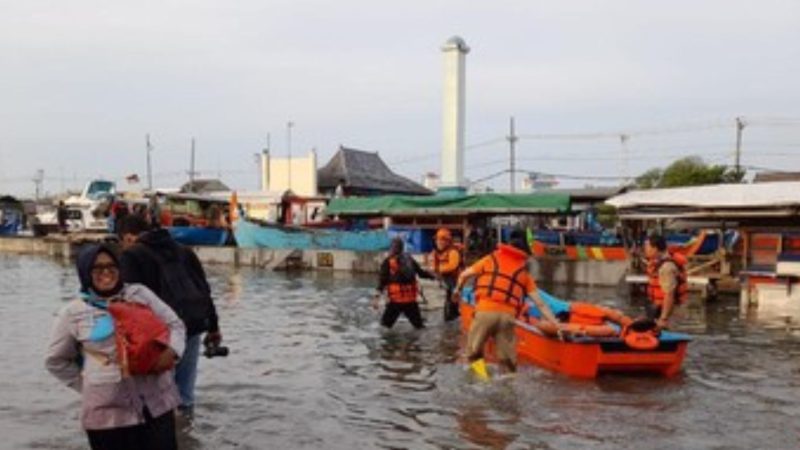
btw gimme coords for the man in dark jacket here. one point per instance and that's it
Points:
(173, 272)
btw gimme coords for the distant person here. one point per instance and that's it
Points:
(121, 409)
(667, 284)
(175, 274)
(398, 277)
(502, 282)
(447, 262)
(61, 216)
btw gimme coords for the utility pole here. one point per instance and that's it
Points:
(191, 167)
(263, 167)
(149, 149)
(739, 127)
(38, 179)
(512, 141)
(289, 126)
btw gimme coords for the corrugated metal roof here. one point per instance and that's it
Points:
(715, 200)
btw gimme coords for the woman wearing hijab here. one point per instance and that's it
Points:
(119, 410)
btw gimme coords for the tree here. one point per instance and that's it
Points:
(689, 171)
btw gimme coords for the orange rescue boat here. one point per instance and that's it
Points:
(587, 355)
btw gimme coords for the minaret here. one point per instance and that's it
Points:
(455, 51)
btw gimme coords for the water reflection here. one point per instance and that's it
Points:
(310, 368)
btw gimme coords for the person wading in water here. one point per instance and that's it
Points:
(398, 277)
(502, 282)
(667, 285)
(447, 262)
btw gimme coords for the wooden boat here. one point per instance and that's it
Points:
(579, 252)
(200, 235)
(587, 357)
(273, 236)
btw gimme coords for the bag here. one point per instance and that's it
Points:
(140, 336)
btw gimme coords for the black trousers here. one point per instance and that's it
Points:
(410, 310)
(154, 434)
(451, 310)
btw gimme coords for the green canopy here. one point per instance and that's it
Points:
(403, 205)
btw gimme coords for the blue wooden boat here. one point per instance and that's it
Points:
(199, 235)
(11, 216)
(257, 235)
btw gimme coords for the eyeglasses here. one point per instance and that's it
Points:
(97, 269)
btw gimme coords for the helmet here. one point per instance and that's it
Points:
(444, 234)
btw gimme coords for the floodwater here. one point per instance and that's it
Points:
(310, 368)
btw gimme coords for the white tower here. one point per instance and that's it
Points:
(455, 51)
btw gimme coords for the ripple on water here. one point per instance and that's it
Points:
(311, 368)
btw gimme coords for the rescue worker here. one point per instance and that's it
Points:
(667, 284)
(398, 277)
(502, 281)
(447, 263)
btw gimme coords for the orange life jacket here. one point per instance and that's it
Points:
(402, 287)
(654, 290)
(586, 314)
(140, 337)
(501, 288)
(445, 259)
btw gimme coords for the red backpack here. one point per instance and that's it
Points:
(141, 337)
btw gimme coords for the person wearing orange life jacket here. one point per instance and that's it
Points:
(398, 277)
(502, 282)
(667, 284)
(446, 262)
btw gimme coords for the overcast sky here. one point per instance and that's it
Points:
(82, 82)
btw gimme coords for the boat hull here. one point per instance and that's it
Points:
(252, 235)
(589, 357)
(194, 236)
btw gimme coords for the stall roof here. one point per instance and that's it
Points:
(399, 205)
(720, 200)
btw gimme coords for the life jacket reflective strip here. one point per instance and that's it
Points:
(654, 290)
(502, 285)
(397, 290)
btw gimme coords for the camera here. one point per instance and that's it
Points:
(212, 350)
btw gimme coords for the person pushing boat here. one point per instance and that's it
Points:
(667, 285)
(447, 263)
(398, 277)
(502, 282)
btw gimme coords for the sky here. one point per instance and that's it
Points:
(82, 82)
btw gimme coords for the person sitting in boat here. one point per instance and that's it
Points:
(398, 277)
(502, 281)
(667, 284)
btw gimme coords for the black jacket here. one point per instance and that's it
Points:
(146, 263)
(386, 276)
